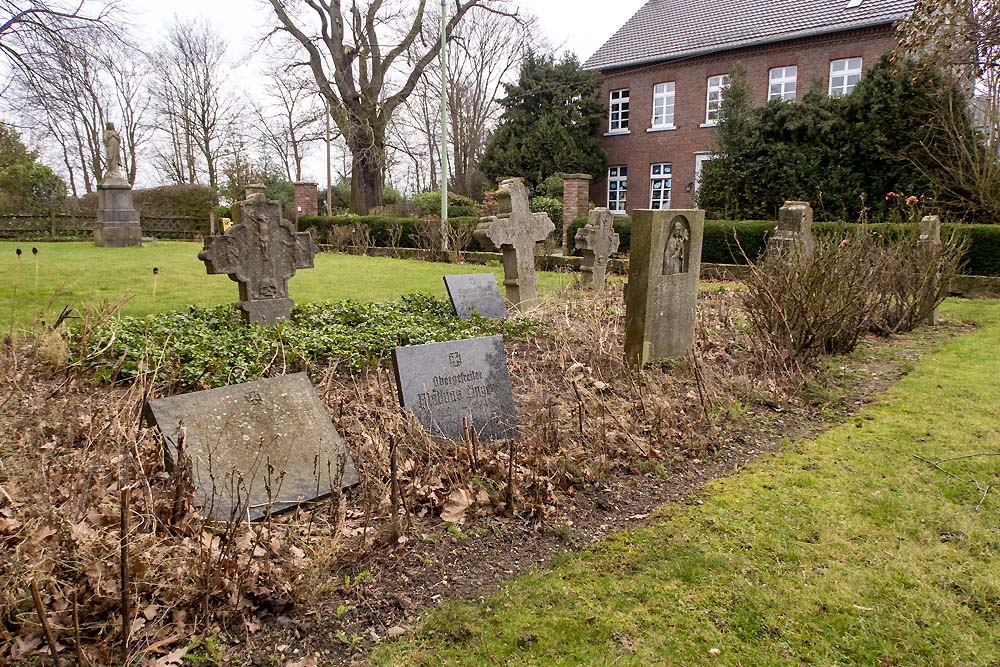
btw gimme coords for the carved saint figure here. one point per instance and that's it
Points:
(113, 147)
(675, 255)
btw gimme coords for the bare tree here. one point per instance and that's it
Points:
(486, 51)
(194, 107)
(73, 88)
(291, 121)
(962, 36)
(24, 23)
(362, 77)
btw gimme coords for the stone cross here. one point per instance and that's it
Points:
(597, 240)
(260, 252)
(515, 232)
(662, 294)
(794, 230)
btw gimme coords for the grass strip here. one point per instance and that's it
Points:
(843, 550)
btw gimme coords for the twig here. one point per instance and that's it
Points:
(81, 658)
(394, 488)
(579, 404)
(968, 456)
(698, 382)
(510, 475)
(123, 571)
(37, 597)
(971, 480)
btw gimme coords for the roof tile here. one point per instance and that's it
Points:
(669, 29)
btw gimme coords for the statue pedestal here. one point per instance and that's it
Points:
(117, 220)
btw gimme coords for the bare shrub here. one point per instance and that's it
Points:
(340, 237)
(394, 234)
(428, 236)
(803, 305)
(914, 281)
(361, 237)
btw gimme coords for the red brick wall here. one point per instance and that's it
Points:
(305, 200)
(576, 200)
(639, 149)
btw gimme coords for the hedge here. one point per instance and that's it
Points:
(720, 245)
(379, 228)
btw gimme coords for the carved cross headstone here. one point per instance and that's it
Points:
(598, 240)
(660, 302)
(515, 232)
(260, 252)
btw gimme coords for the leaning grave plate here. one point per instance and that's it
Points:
(233, 433)
(476, 293)
(441, 383)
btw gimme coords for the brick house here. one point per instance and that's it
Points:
(665, 70)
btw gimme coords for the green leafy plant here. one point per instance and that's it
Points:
(210, 347)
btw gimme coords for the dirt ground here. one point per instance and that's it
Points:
(600, 447)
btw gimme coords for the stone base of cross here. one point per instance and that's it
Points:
(261, 252)
(514, 232)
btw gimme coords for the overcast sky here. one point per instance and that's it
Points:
(581, 26)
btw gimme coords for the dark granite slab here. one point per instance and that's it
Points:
(476, 293)
(443, 382)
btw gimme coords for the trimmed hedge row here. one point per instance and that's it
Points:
(722, 243)
(380, 228)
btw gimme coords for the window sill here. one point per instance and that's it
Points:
(662, 128)
(616, 133)
(619, 214)
(709, 124)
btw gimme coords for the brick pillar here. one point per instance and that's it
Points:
(576, 201)
(254, 189)
(305, 200)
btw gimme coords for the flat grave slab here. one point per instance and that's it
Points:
(232, 435)
(441, 383)
(476, 293)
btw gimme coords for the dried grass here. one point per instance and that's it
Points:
(71, 446)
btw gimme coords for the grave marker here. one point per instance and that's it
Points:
(598, 241)
(794, 230)
(260, 252)
(476, 293)
(930, 238)
(442, 383)
(662, 294)
(515, 231)
(232, 434)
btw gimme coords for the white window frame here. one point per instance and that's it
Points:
(842, 71)
(617, 177)
(663, 106)
(618, 111)
(660, 183)
(713, 98)
(781, 83)
(699, 161)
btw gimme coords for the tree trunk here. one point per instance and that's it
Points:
(366, 182)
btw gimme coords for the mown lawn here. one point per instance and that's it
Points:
(80, 275)
(844, 550)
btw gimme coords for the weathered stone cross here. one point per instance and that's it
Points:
(515, 232)
(597, 240)
(260, 252)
